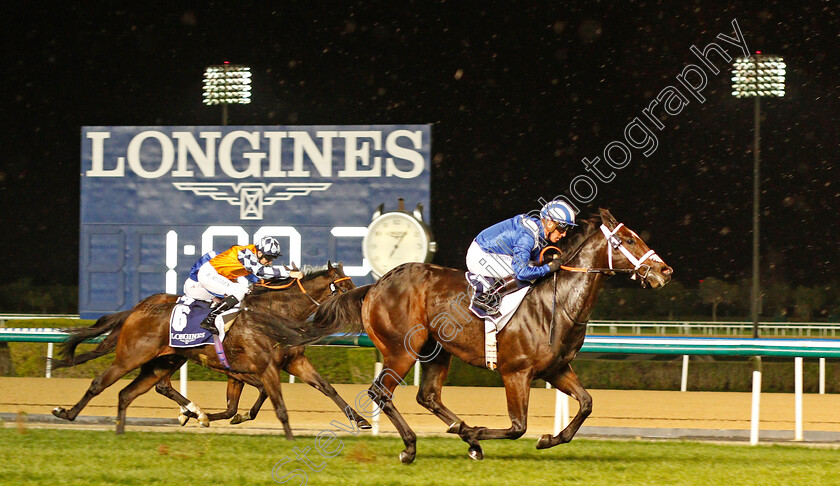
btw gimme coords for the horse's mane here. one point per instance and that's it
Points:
(573, 245)
(310, 271)
(278, 329)
(585, 229)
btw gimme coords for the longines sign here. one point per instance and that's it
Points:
(155, 198)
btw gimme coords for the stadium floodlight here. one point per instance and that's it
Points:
(226, 84)
(756, 76)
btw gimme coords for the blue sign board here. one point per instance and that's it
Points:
(154, 199)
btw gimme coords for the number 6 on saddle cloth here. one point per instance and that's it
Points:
(185, 329)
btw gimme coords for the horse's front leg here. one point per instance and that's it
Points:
(270, 379)
(567, 382)
(188, 408)
(517, 391)
(300, 366)
(255, 408)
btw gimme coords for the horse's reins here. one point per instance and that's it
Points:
(333, 288)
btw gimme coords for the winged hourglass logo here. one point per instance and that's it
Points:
(251, 197)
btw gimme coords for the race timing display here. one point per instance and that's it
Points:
(154, 199)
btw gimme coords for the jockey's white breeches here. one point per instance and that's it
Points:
(483, 263)
(210, 283)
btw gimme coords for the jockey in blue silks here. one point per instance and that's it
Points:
(507, 251)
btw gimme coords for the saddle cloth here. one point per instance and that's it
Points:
(507, 307)
(494, 324)
(185, 329)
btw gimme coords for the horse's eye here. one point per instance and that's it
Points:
(631, 241)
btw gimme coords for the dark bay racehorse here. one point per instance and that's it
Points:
(419, 311)
(140, 337)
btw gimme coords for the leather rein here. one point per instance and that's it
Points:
(333, 288)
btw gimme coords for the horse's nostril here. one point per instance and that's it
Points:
(667, 271)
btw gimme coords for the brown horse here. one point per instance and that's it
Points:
(140, 338)
(418, 311)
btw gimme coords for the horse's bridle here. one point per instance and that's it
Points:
(614, 243)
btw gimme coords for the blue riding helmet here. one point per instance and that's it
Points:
(269, 247)
(560, 213)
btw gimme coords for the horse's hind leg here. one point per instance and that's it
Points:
(117, 370)
(150, 373)
(433, 375)
(382, 391)
(301, 367)
(567, 382)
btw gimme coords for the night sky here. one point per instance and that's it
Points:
(518, 93)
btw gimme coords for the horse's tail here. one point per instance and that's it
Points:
(341, 314)
(110, 324)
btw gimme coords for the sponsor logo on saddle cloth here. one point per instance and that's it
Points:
(496, 322)
(185, 329)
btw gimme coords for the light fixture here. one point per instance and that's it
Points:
(756, 76)
(227, 84)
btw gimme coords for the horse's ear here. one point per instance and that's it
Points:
(607, 218)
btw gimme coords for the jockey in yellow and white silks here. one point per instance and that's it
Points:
(228, 275)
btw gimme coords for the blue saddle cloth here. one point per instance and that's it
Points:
(185, 329)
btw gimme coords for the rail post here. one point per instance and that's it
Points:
(756, 401)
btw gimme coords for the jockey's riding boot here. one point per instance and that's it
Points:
(490, 300)
(209, 322)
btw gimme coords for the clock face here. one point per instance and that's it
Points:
(393, 239)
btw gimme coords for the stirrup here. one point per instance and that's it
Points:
(489, 308)
(210, 326)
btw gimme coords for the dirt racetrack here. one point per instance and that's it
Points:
(625, 412)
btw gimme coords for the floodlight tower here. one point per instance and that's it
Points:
(225, 84)
(758, 75)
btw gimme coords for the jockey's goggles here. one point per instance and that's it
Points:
(560, 226)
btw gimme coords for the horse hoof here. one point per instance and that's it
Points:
(363, 424)
(60, 412)
(544, 442)
(476, 453)
(203, 420)
(237, 419)
(183, 419)
(406, 458)
(455, 428)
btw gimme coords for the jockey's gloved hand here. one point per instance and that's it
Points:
(554, 265)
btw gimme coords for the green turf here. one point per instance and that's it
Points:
(58, 457)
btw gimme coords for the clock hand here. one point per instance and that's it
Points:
(397, 244)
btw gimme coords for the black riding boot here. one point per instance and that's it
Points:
(490, 300)
(209, 322)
